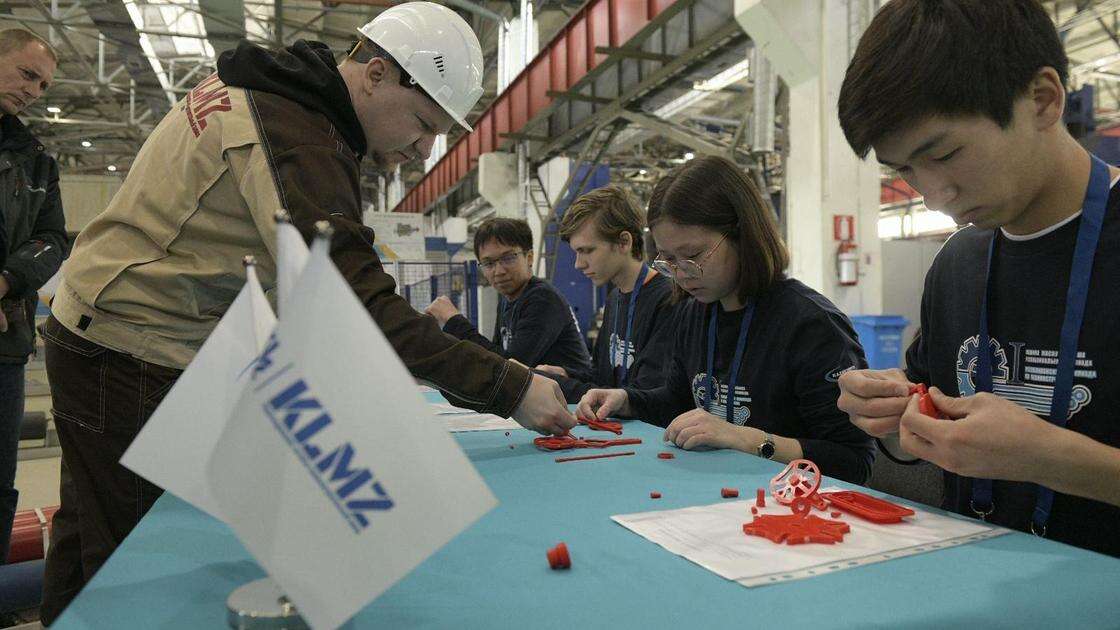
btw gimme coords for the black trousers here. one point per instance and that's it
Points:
(101, 399)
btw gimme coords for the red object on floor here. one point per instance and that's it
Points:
(796, 530)
(665, 456)
(602, 425)
(760, 499)
(867, 507)
(558, 557)
(729, 493)
(754, 510)
(561, 460)
(655, 495)
(30, 534)
(565, 442)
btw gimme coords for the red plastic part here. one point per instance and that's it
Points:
(800, 478)
(834, 514)
(655, 495)
(919, 389)
(926, 406)
(754, 510)
(602, 425)
(797, 530)
(665, 456)
(760, 499)
(867, 507)
(558, 557)
(729, 493)
(561, 460)
(565, 442)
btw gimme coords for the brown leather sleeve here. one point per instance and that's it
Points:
(316, 178)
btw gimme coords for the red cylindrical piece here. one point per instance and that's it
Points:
(760, 499)
(558, 557)
(729, 493)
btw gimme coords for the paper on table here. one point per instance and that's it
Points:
(712, 537)
(458, 420)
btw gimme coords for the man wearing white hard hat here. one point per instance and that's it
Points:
(150, 277)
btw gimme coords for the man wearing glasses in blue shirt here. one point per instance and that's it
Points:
(535, 325)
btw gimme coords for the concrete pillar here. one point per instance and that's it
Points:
(809, 43)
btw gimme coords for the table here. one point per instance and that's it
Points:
(178, 566)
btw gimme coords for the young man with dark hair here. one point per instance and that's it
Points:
(605, 230)
(1017, 308)
(534, 323)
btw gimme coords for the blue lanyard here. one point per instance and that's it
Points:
(625, 343)
(1088, 233)
(740, 348)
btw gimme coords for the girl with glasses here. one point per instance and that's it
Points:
(757, 355)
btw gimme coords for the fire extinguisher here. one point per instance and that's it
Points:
(847, 264)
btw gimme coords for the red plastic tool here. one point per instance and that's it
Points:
(561, 460)
(558, 557)
(867, 507)
(655, 495)
(602, 425)
(729, 493)
(800, 478)
(665, 456)
(760, 498)
(919, 389)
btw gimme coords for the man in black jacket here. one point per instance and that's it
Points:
(32, 239)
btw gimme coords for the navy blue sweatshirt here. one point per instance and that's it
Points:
(1029, 280)
(647, 350)
(799, 344)
(536, 328)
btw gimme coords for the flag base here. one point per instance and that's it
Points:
(261, 604)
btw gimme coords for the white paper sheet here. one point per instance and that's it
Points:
(456, 419)
(712, 537)
(332, 470)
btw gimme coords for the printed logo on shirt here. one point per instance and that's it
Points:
(834, 375)
(718, 405)
(207, 97)
(618, 356)
(506, 335)
(1023, 375)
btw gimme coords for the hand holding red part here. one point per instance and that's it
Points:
(925, 402)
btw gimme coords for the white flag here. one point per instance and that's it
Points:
(291, 256)
(172, 448)
(333, 471)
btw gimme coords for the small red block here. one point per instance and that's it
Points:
(760, 499)
(558, 557)
(729, 493)
(665, 456)
(655, 495)
(754, 511)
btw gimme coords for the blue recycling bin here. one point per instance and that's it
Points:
(881, 338)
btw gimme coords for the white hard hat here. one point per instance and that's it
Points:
(437, 48)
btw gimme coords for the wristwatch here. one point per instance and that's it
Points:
(766, 449)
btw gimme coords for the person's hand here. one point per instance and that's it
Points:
(552, 369)
(874, 399)
(987, 436)
(442, 309)
(697, 429)
(600, 404)
(543, 408)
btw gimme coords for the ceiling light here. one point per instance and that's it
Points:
(112, 169)
(54, 110)
(688, 156)
(642, 171)
(730, 75)
(87, 144)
